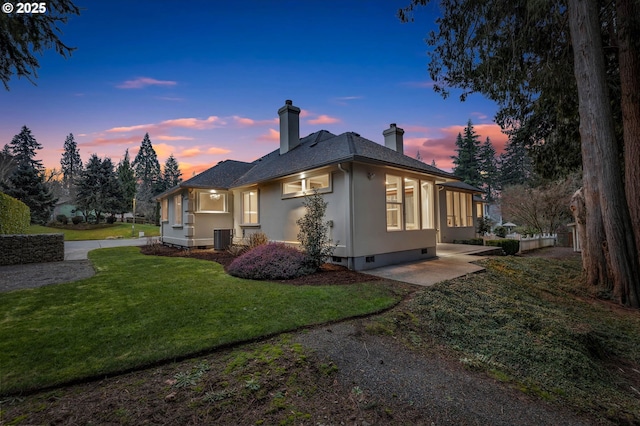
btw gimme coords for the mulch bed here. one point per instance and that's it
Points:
(329, 274)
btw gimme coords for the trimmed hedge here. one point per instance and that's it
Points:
(272, 261)
(471, 242)
(510, 247)
(15, 216)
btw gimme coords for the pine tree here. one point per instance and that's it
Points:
(418, 156)
(172, 175)
(23, 148)
(146, 165)
(466, 163)
(488, 169)
(70, 163)
(27, 185)
(516, 167)
(7, 165)
(99, 191)
(127, 178)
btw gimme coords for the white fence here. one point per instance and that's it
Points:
(530, 243)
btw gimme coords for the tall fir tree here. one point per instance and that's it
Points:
(172, 175)
(99, 190)
(7, 165)
(516, 167)
(488, 169)
(23, 148)
(26, 182)
(127, 178)
(466, 163)
(70, 163)
(146, 165)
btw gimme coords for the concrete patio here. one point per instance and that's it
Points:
(452, 261)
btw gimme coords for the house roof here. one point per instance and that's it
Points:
(319, 149)
(461, 185)
(323, 148)
(220, 176)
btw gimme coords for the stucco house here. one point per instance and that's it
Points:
(383, 206)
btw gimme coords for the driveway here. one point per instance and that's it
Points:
(452, 261)
(78, 250)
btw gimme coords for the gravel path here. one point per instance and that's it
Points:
(16, 277)
(384, 370)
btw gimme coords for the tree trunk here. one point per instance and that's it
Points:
(603, 186)
(629, 59)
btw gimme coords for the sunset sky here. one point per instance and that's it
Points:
(205, 79)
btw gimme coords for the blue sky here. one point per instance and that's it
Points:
(205, 79)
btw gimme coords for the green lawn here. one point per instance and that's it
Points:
(97, 232)
(139, 310)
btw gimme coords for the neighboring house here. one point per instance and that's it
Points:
(383, 206)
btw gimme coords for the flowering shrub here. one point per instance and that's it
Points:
(273, 261)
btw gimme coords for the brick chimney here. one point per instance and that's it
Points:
(393, 138)
(289, 127)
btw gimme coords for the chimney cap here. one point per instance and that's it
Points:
(288, 102)
(392, 125)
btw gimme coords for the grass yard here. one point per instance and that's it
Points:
(82, 232)
(139, 310)
(530, 322)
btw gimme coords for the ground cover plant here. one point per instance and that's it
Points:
(529, 321)
(139, 310)
(102, 231)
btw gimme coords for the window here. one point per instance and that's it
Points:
(394, 202)
(164, 207)
(250, 207)
(426, 195)
(459, 209)
(411, 204)
(298, 187)
(177, 210)
(212, 201)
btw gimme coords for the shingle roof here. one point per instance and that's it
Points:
(461, 185)
(323, 148)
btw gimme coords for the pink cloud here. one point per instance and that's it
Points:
(173, 138)
(141, 82)
(102, 141)
(249, 122)
(217, 151)
(272, 136)
(187, 123)
(324, 119)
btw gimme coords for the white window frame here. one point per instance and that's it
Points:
(254, 209)
(411, 208)
(212, 192)
(427, 205)
(177, 210)
(459, 209)
(164, 209)
(392, 206)
(305, 185)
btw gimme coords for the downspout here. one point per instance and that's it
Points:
(348, 183)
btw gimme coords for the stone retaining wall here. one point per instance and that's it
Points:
(36, 248)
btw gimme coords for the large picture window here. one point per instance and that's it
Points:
(164, 208)
(177, 210)
(299, 187)
(250, 207)
(459, 209)
(212, 201)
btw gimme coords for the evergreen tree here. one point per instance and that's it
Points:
(27, 185)
(488, 169)
(99, 190)
(23, 148)
(418, 156)
(466, 163)
(172, 175)
(127, 179)
(146, 165)
(70, 163)
(516, 167)
(147, 169)
(7, 166)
